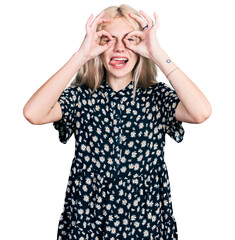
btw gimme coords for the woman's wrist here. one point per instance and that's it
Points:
(157, 55)
(164, 62)
(82, 59)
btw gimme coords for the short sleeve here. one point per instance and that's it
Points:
(170, 101)
(66, 125)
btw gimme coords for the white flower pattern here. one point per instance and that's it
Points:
(118, 186)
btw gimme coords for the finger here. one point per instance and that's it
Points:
(104, 33)
(109, 44)
(135, 37)
(135, 33)
(103, 37)
(138, 19)
(103, 20)
(103, 48)
(148, 19)
(97, 19)
(88, 23)
(129, 45)
(156, 25)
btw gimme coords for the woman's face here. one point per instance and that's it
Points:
(118, 60)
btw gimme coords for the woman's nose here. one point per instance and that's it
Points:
(119, 46)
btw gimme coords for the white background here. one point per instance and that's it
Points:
(38, 37)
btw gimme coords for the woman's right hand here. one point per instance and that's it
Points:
(90, 48)
(43, 106)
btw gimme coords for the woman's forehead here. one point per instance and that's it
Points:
(119, 24)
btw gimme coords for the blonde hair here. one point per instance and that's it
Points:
(92, 72)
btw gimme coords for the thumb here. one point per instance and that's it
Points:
(109, 44)
(129, 45)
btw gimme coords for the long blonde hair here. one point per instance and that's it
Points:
(93, 71)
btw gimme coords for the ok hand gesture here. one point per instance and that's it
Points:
(90, 48)
(148, 46)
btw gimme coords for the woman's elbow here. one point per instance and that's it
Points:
(29, 116)
(204, 115)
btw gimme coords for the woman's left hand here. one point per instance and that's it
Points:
(148, 46)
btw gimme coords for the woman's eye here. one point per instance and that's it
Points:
(130, 39)
(104, 41)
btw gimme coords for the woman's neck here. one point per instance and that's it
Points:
(118, 83)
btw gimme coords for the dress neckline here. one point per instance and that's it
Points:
(127, 91)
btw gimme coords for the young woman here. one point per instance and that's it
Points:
(118, 187)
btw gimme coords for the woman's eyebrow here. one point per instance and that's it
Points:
(124, 35)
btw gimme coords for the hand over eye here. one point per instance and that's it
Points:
(146, 43)
(90, 47)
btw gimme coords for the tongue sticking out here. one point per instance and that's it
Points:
(116, 62)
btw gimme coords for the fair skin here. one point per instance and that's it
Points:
(194, 106)
(118, 78)
(43, 107)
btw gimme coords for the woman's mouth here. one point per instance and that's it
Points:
(118, 62)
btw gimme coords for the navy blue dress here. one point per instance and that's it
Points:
(118, 186)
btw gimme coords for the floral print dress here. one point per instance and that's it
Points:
(118, 187)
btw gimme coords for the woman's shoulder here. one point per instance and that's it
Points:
(76, 90)
(158, 88)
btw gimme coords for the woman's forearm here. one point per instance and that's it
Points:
(42, 101)
(195, 103)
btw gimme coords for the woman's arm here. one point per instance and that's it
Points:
(43, 107)
(194, 106)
